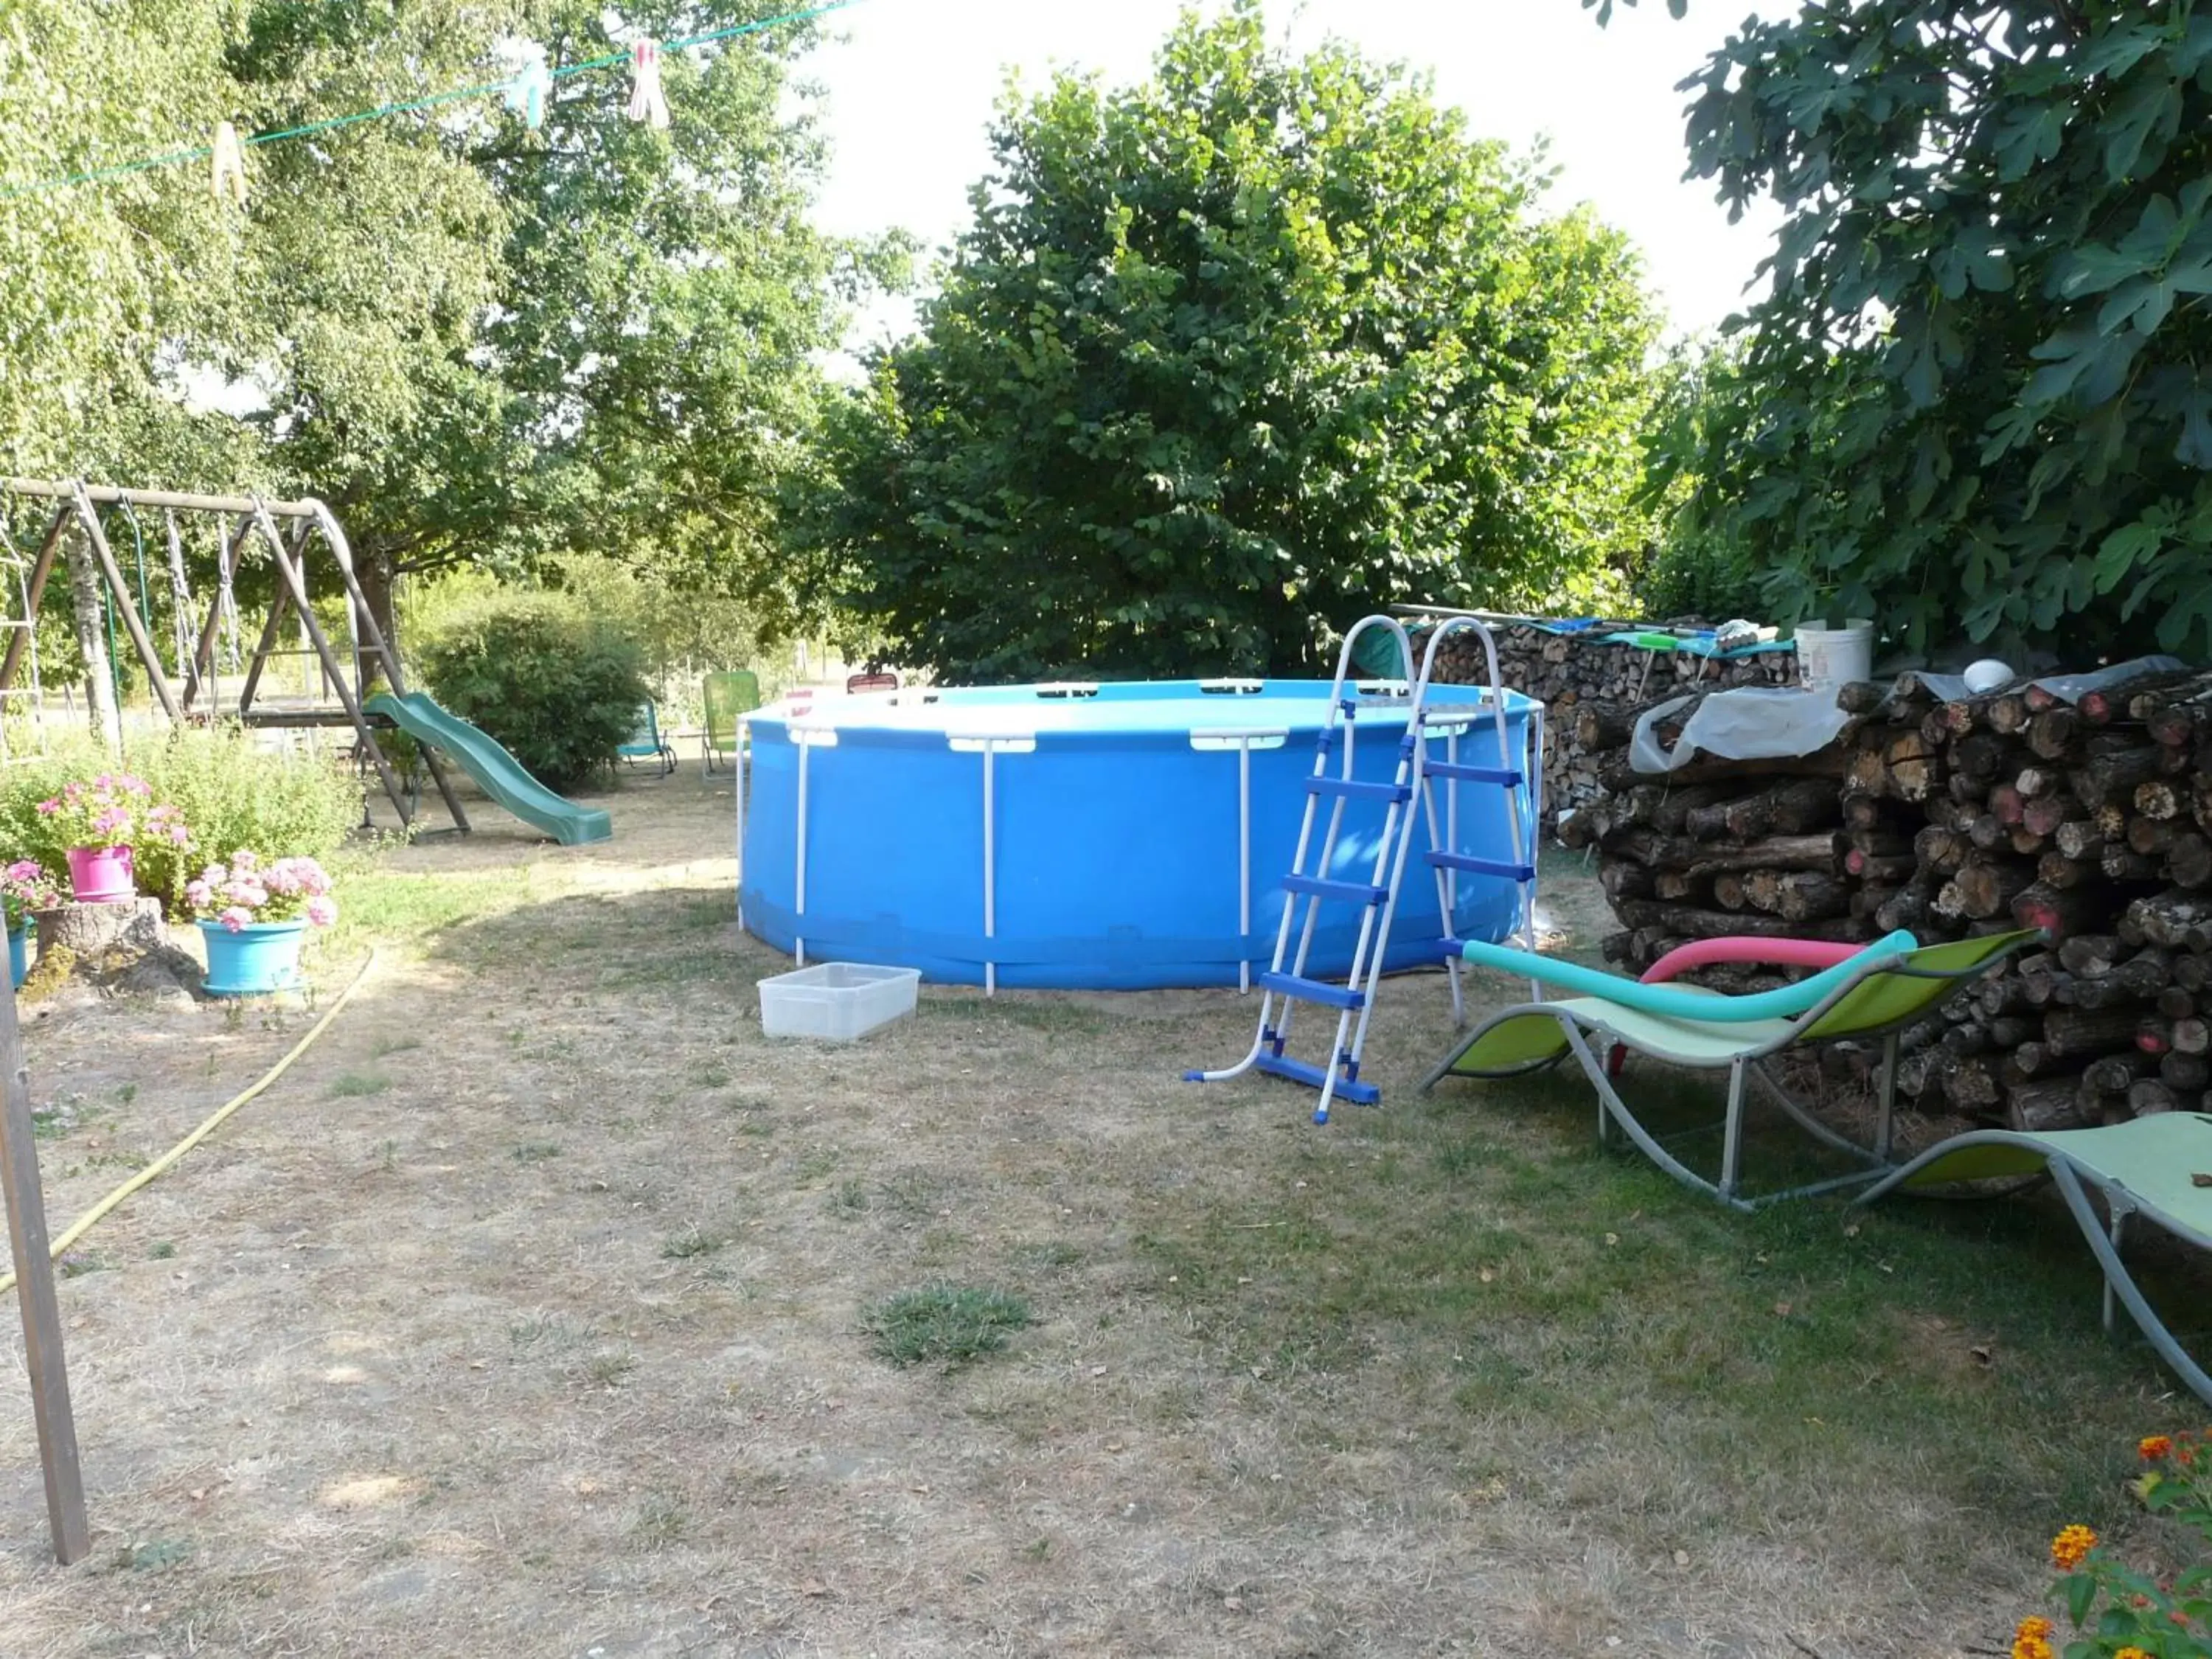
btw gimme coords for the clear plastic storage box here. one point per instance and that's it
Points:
(836, 1001)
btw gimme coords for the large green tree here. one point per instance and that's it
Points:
(1978, 398)
(478, 341)
(1226, 359)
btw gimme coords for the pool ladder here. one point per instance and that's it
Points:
(1307, 888)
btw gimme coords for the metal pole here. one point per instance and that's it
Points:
(740, 770)
(798, 913)
(105, 495)
(1244, 861)
(34, 1291)
(990, 865)
(42, 565)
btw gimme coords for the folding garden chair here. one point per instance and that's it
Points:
(2157, 1167)
(1875, 992)
(727, 696)
(645, 742)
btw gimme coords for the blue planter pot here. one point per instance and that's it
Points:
(255, 960)
(19, 955)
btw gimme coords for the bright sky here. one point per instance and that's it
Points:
(912, 84)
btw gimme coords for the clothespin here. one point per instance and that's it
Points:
(228, 161)
(646, 102)
(526, 94)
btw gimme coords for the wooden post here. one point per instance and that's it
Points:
(34, 1290)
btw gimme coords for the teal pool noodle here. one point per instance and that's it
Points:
(1678, 1002)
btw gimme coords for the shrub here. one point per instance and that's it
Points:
(228, 792)
(558, 687)
(1695, 574)
(233, 794)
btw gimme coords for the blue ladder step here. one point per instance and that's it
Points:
(1313, 990)
(1359, 1094)
(1359, 789)
(1510, 776)
(1473, 865)
(1351, 892)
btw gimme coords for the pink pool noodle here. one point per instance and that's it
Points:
(1768, 952)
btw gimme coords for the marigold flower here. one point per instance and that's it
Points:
(2033, 1639)
(2131, 1651)
(2070, 1546)
(2152, 1447)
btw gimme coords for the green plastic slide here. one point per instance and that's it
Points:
(498, 773)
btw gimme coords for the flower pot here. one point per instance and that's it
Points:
(1830, 659)
(259, 958)
(102, 875)
(19, 954)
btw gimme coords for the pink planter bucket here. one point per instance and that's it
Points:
(102, 875)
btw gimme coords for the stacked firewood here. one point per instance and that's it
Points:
(2092, 821)
(1565, 673)
(1716, 848)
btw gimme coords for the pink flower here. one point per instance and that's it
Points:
(48, 808)
(235, 919)
(215, 875)
(244, 860)
(322, 912)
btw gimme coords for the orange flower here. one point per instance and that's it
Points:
(2033, 1639)
(2151, 1447)
(2131, 1651)
(2070, 1546)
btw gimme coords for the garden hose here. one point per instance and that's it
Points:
(85, 1223)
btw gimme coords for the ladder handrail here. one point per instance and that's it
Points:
(1311, 880)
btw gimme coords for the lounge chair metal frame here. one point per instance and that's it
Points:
(1740, 1049)
(648, 742)
(2073, 1174)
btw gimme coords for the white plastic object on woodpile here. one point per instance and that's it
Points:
(1987, 675)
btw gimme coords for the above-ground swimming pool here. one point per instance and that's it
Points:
(1113, 836)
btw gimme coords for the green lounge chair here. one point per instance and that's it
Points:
(646, 742)
(1877, 994)
(2157, 1167)
(727, 696)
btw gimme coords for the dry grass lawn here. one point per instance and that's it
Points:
(525, 1316)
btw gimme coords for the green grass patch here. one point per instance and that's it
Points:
(950, 1325)
(396, 907)
(1480, 1259)
(690, 1244)
(349, 1085)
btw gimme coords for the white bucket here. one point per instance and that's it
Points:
(1829, 659)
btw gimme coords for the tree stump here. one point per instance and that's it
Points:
(90, 931)
(119, 948)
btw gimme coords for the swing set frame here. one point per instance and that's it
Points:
(244, 519)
